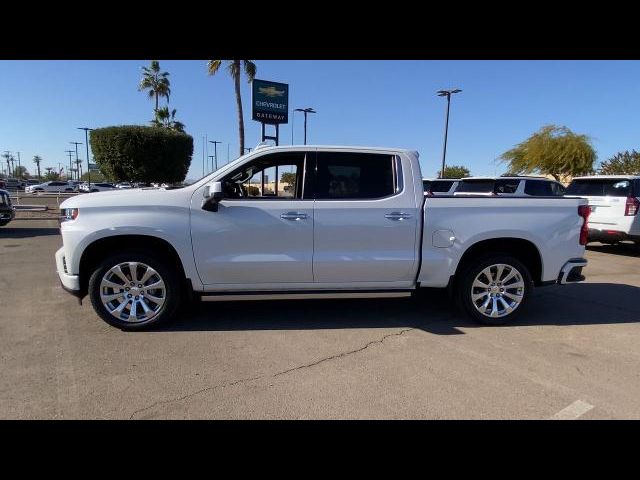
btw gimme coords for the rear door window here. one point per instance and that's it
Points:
(356, 176)
(506, 186)
(602, 187)
(476, 186)
(538, 188)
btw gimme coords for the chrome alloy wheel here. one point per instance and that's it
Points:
(497, 290)
(132, 292)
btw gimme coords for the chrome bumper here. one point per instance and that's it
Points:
(571, 272)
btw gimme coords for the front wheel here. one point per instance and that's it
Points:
(494, 289)
(134, 290)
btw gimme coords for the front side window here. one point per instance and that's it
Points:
(275, 176)
(355, 176)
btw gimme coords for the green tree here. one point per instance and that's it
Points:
(37, 160)
(455, 171)
(142, 154)
(51, 175)
(552, 150)
(155, 82)
(20, 172)
(235, 68)
(622, 163)
(98, 177)
(166, 119)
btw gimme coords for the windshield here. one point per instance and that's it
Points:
(602, 187)
(476, 186)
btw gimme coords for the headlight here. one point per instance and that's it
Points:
(67, 214)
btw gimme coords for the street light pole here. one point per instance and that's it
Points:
(215, 150)
(86, 142)
(446, 93)
(305, 111)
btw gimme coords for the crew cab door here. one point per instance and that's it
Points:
(365, 220)
(262, 233)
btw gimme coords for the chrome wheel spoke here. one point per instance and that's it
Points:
(499, 272)
(147, 275)
(110, 284)
(133, 271)
(120, 274)
(477, 296)
(488, 274)
(494, 307)
(111, 297)
(519, 284)
(153, 298)
(505, 305)
(517, 298)
(157, 285)
(145, 307)
(134, 310)
(511, 275)
(478, 284)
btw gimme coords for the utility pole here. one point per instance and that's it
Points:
(86, 141)
(19, 161)
(446, 93)
(76, 144)
(215, 150)
(70, 152)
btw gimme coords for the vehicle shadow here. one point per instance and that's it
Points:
(9, 232)
(430, 311)
(626, 249)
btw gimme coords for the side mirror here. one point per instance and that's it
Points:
(212, 196)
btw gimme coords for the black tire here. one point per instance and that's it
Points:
(464, 287)
(94, 190)
(173, 285)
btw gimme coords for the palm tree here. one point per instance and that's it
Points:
(37, 159)
(156, 82)
(166, 119)
(234, 68)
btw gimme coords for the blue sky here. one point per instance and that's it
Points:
(379, 103)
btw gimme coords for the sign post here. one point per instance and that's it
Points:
(270, 105)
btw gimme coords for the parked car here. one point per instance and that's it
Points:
(439, 186)
(13, 184)
(614, 201)
(124, 185)
(7, 211)
(97, 187)
(357, 224)
(510, 186)
(53, 186)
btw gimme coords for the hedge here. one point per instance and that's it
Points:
(142, 154)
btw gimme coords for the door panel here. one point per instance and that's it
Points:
(262, 232)
(363, 240)
(249, 242)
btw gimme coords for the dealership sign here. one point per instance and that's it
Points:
(270, 102)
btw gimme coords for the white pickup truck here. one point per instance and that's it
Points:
(309, 222)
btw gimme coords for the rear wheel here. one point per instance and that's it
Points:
(134, 290)
(494, 289)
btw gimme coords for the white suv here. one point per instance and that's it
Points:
(54, 186)
(510, 187)
(614, 202)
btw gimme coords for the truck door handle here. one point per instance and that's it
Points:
(398, 216)
(293, 216)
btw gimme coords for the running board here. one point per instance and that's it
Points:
(333, 294)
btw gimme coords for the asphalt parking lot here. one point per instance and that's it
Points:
(573, 354)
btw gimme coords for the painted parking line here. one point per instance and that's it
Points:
(573, 411)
